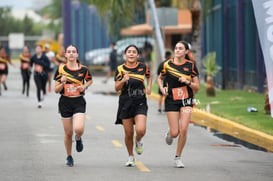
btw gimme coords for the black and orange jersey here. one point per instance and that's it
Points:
(4, 59)
(74, 77)
(25, 64)
(60, 58)
(173, 72)
(135, 85)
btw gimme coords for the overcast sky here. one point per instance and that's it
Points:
(24, 4)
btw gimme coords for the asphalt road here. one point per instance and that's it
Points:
(32, 146)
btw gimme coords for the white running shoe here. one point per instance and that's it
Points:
(40, 105)
(178, 163)
(168, 138)
(130, 162)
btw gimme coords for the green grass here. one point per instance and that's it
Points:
(233, 104)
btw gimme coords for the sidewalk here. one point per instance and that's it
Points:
(229, 127)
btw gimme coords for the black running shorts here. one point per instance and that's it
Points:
(129, 108)
(68, 106)
(174, 106)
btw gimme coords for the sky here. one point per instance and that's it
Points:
(24, 4)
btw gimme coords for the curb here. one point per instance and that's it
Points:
(229, 127)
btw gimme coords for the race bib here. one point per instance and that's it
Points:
(25, 65)
(38, 68)
(180, 93)
(2, 66)
(71, 90)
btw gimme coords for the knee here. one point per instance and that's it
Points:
(129, 134)
(69, 134)
(174, 134)
(79, 131)
(183, 132)
(141, 132)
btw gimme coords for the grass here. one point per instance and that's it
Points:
(233, 104)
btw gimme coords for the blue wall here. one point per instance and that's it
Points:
(230, 30)
(85, 28)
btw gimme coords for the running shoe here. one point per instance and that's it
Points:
(39, 105)
(178, 163)
(168, 138)
(69, 161)
(5, 86)
(79, 145)
(139, 147)
(130, 162)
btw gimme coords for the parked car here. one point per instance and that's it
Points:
(100, 57)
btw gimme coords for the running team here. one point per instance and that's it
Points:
(177, 80)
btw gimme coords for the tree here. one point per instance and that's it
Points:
(28, 26)
(211, 69)
(7, 21)
(117, 13)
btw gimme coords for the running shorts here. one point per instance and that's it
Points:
(130, 107)
(174, 106)
(68, 106)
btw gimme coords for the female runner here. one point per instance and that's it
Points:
(181, 76)
(71, 81)
(25, 69)
(129, 80)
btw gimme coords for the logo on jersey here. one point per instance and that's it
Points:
(186, 69)
(140, 69)
(80, 74)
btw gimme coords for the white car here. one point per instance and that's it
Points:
(100, 56)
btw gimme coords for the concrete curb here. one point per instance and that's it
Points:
(229, 127)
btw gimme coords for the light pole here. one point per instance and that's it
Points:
(157, 30)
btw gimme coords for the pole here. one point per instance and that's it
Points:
(157, 30)
(66, 13)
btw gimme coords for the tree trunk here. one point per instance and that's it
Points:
(267, 105)
(210, 90)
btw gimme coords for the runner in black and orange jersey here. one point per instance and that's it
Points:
(25, 69)
(168, 55)
(4, 61)
(71, 81)
(41, 68)
(181, 76)
(60, 57)
(129, 80)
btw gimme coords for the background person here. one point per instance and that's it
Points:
(112, 63)
(168, 55)
(4, 61)
(25, 58)
(51, 56)
(41, 67)
(60, 57)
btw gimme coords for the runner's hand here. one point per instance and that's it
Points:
(182, 80)
(149, 91)
(81, 88)
(164, 91)
(63, 79)
(125, 77)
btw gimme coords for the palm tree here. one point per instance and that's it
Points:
(117, 13)
(211, 69)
